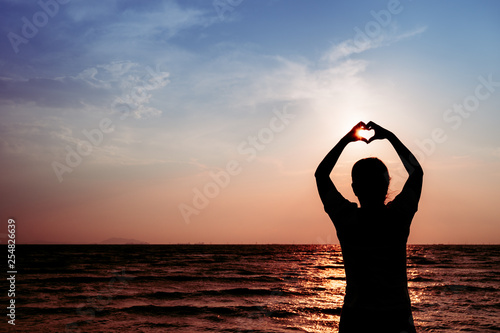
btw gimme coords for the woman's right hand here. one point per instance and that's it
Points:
(353, 136)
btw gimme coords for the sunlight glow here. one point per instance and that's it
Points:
(366, 134)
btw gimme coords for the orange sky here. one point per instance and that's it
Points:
(116, 134)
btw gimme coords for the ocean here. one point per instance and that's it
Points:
(236, 288)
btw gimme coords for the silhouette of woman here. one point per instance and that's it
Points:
(373, 237)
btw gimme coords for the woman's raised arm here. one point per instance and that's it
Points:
(322, 174)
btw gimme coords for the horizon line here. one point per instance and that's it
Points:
(203, 243)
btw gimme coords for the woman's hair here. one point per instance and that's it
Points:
(370, 179)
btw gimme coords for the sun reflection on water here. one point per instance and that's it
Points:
(318, 284)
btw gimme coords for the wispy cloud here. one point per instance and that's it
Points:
(136, 20)
(105, 86)
(361, 43)
(83, 35)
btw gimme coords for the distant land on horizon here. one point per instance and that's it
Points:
(119, 241)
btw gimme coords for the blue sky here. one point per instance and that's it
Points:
(184, 85)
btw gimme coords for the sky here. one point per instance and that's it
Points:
(204, 121)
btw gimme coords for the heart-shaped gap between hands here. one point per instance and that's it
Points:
(365, 134)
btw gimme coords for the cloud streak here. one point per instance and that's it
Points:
(107, 86)
(361, 43)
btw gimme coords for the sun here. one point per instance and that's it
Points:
(365, 134)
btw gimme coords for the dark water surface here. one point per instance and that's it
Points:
(236, 288)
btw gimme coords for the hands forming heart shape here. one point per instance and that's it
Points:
(367, 132)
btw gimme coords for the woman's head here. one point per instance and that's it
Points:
(370, 181)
